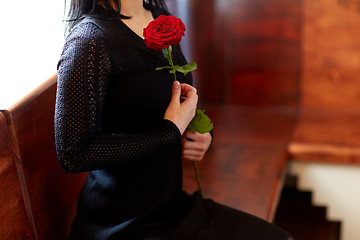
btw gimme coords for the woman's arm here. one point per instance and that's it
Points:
(83, 72)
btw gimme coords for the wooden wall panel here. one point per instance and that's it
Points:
(248, 51)
(208, 34)
(53, 194)
(14, 224)
(331, 55)
(265, 53)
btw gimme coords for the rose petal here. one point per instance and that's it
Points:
(163, 32)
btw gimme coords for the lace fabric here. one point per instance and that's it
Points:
(84, 70)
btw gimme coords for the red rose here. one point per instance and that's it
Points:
(163, 32)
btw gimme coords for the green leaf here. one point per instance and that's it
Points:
(185, 69)
(161, 68)
(201, 123)
(166, 52)
(174, 69)
(189, 67)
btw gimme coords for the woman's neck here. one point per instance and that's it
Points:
(140, 17)
(129, 8)
(133, 8)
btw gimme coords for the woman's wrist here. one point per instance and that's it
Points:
(173, 126)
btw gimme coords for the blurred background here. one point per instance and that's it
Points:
(297, 55)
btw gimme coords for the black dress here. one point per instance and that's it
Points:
(109, 121)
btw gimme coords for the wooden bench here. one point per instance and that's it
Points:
(49, 195)
(328, 128)
(14, 223)
(246, 165)
(327, 136)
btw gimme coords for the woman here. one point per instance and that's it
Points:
(124, 123)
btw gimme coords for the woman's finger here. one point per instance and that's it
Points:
(187, 90)
(193, 145)
(192, 158)
(193, 152)
(176, 91)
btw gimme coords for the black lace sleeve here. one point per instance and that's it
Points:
(83, 72)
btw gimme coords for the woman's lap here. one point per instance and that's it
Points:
(203, 220)
(207, 219)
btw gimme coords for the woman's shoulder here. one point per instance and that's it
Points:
(87, 33)
(87, 27)
(86, 36)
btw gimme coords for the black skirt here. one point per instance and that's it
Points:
(209, 220)
(203, 220)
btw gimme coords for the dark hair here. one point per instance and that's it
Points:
(79, 8)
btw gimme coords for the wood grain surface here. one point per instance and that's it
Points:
(327, 136)
(331, 55)
(53, 194)
(246, 165)
(248, 52)
(328, 127)
(14, 221)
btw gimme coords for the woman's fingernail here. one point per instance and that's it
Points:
(176, 84)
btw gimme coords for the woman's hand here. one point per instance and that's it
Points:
(182, 111)
(194, 145)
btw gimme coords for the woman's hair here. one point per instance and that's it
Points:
(78, 8)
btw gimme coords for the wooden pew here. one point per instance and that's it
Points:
(246, 165)
(52, 193)
(328, 129)
(14, 221)
(327, 136)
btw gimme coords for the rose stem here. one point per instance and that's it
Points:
(198, 178)
(194, 163)
(171, 61)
